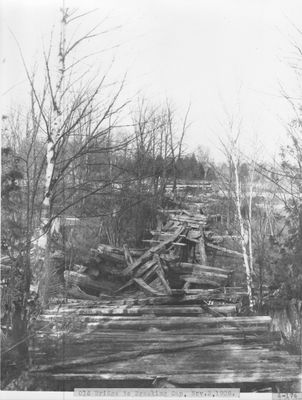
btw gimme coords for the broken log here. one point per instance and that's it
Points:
(147, 288)
(128, 256)
(75, 292)
(144, 272)
(219, 278)
(149, 253)
(192, 268)
(201, 248)
(160, 272)
(115, 254)
(199, 280)
(110, 253)
(195, 223)
(73, 278)
(224, 250)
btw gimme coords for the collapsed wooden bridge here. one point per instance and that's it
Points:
(172, 321)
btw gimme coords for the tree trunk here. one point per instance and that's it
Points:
(242, 232)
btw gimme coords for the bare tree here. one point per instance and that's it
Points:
(243, 211)
(75, 115)
(176, 148)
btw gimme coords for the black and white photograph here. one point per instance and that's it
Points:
(151, 199)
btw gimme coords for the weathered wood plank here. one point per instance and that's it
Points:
(190, 267)
(200, 280)
(126, 355)
(84, 281)
(144, 271)
(224, 250)
(202, 249)
(187, 379)
(128, 256)
(221, 324)
(149, 254)
(160, 310)
(147, 288)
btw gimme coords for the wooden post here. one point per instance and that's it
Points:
(128, 256)
(202, 250)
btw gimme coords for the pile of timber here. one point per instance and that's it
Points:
(174, 263)
(166, 318)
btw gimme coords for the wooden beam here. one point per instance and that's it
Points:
(128, 256)
(224, 250)
(230, 377)
(73, 278)
(145, 271)
(160, 272)
(149, 253)
(200, 280)
(127, 355)
(202, 250)
(146, 288)
(190, 267)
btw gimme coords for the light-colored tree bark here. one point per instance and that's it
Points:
(245, 238)
(74, 118)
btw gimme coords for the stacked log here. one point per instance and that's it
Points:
(177, 259)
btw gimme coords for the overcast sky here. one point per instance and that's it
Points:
(217, 54)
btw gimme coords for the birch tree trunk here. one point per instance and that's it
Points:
(234, 157)
(53, 136)
(250, 219)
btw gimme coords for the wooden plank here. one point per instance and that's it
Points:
(266, 340)
(190, 267)
(224, 250)
(192, 223)
(133, 336)
(147, 288)
(188, 310)
(195, 321)
(232, 378)
(163, 357)
(192, 353)
(178, 299)
(111, 253)
(181, 379)
(126, 355)
(189, 217)
(77, 293)
(171, 359)
(146, 322)
(199, 280)
(92, 325)
(144, 271)
(201, 248)
(102, 377)
(84, 281)
(128, 256)
(149, 254)
(214, 276)
(161, 275)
